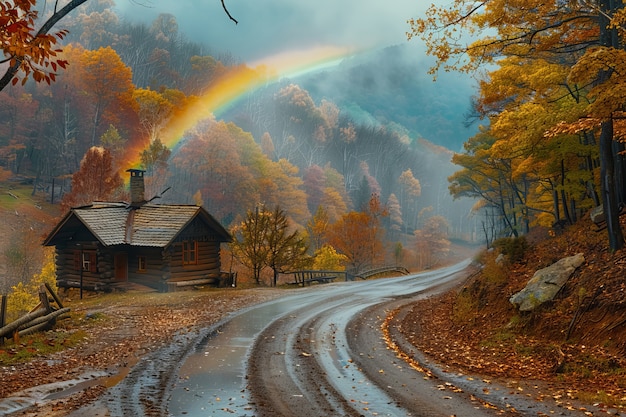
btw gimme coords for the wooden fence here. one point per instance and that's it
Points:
(43, 317)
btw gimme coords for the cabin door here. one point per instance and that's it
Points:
(121, 266)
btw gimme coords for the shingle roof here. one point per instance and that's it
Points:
(153, 225)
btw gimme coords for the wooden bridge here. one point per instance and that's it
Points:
(306, 277)
(382, 270)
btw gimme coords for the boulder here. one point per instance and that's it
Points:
(546, 283)
(597, 214)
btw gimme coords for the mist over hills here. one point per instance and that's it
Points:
(392, 86)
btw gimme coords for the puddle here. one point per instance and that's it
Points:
(57, 390)
(21, 400)
(212, 380)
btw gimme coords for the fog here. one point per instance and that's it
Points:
(268, 27)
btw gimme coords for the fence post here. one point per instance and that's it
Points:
(43, 298)
(3, 315)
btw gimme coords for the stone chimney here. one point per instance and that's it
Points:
(137, 189)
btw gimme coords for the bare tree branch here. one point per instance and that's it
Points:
(13, 69)
(228, 13)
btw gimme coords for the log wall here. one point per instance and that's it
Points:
(155, 273)
(69, 268)
(208, 262)
(163, 266)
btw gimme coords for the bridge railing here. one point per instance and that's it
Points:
(382, 270)
(305, 277)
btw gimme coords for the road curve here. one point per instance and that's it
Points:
(326, 350)
(330, 358)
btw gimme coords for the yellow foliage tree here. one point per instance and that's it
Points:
(327, 258)
(24, 296)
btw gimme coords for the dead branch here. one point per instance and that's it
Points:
(228, 13)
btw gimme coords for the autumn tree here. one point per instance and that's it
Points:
(335, 199)
(395, 213)
(25, 294)
(31, 51)
(214, 159)
(154, 110)
(367, 187)
(432, 242)
(314, 184)
(280, 184)
(287, 248)
(355, 236)
(27, 50)
(300, 140)
(359, 236)
(204, 69)
(327, 258)
(248, 245)
(154, 160)
(113, 141)
(96, 180)
(589, 34)
(266, 239)
(267, 145)
(410, 189)
(94, 25)
(317, 227)
(107, 82)
(18, 110)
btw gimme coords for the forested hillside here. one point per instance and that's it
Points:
(311, 153)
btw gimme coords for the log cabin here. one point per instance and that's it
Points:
(165, 247)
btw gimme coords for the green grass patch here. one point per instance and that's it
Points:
(464, 309)
(601, 397)
(22, 192)
(498, 339)
(39, 344)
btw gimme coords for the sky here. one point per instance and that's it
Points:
(269, 27)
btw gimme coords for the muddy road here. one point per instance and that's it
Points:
(320, 351)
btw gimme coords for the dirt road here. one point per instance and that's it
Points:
(332, 350)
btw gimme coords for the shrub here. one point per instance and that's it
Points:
(25, 296)
(513, 248)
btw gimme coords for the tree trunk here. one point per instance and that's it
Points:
(608, 159)
(609, 195)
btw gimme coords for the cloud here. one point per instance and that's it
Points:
(267, 27)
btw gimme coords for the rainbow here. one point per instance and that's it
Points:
(225, 91)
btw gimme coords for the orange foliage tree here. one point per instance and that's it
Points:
(359, 236)
(29, 50)
(96, 180)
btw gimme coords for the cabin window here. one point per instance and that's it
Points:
(190, 252)
(142, 264)
(85, 260)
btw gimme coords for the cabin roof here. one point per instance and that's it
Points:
(155, 225)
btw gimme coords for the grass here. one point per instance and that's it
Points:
(39, 344)
(23, 192)
(66, 333)
(601, 397)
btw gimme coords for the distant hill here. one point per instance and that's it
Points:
(392, 86)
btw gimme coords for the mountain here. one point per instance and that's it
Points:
(392, 86)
